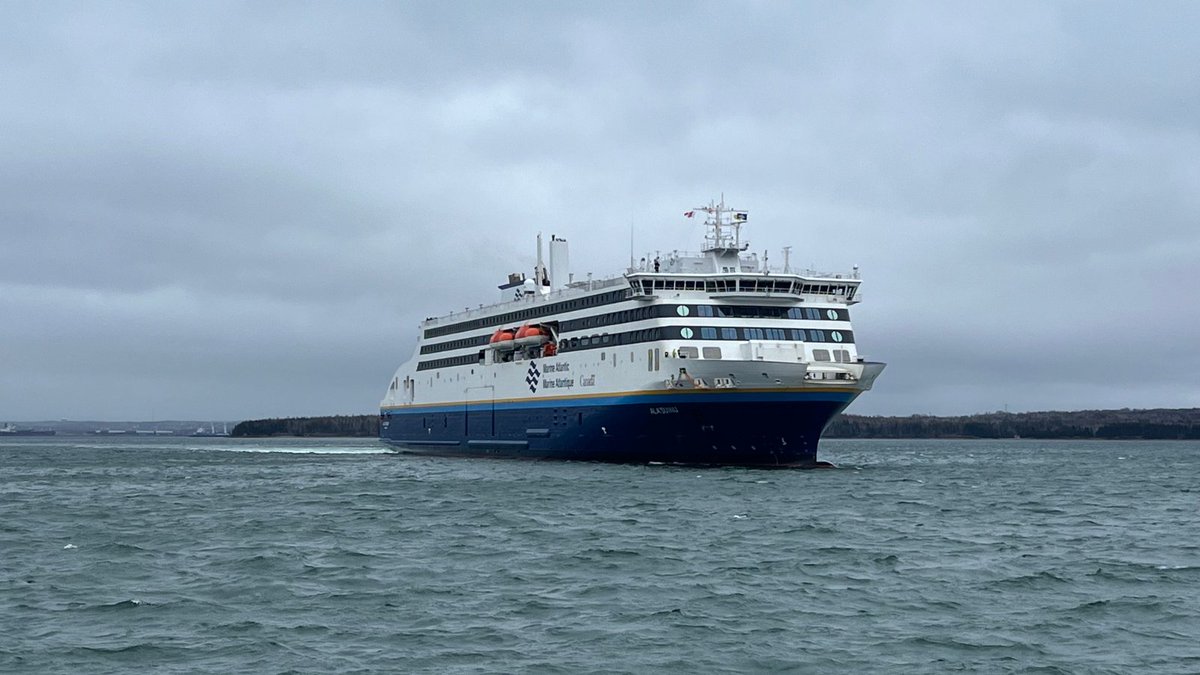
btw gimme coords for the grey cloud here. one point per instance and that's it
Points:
(242, 209)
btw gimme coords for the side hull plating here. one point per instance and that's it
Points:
(694, 427)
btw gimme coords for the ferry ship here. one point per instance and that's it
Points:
(694, 358)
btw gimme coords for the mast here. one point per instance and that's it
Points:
(718, 219)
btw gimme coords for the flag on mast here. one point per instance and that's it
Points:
(689, 214)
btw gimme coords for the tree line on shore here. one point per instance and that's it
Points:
(1166, 424)
(1124, 424)
(336, 425)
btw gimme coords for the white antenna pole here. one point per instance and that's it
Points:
(720, 208)
(537, 271)
(630, 243)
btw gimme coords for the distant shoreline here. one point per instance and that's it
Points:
(1123, 424)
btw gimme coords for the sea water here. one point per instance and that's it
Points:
(271, 556)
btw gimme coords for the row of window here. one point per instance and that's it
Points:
(573, 344)
(748, 285)
(461, 343)
(780, 334)
(667, 310)
(765, 284)
(606, 339)
(823, 355)
(693, 353)
(839, 355)
(448, 362)
(672, 333)
(707, 333)
(753, 312)
(530, 313)
(715, 311)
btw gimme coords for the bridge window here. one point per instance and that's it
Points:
(708, 333)
(729, 334)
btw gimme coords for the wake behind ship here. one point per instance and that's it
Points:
(704, 358)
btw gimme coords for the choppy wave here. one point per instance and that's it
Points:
(304, 450)
(330, 555)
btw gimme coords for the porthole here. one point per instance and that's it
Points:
(837, 337)
(832, 314)
(686, 333)
(682, 310)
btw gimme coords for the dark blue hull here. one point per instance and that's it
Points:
(733, 428)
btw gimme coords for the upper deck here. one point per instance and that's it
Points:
(724, 270)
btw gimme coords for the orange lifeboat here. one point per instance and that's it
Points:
(523, 331)
(503, 335)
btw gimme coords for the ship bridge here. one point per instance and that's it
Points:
(792, 287)
(726, 268)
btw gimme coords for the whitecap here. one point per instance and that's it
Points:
(301, 450)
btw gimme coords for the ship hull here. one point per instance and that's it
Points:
(693, 427)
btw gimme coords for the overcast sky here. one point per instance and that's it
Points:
(236, 210)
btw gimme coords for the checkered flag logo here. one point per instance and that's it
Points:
(533, 377)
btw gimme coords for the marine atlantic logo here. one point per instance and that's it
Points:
(532, 377)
